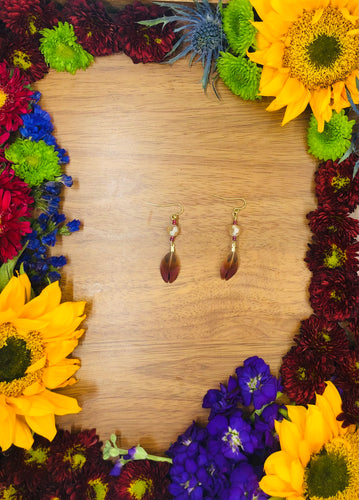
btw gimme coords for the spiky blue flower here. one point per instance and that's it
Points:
(202, 34)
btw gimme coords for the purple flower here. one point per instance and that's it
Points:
(244, 484)
(231, 436)
(36, 125)
(223, 401)
(257, 385)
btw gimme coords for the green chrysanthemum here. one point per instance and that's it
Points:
(61, 51)
(34, 162)
(240, 32)
(332, 143)
(240, 75)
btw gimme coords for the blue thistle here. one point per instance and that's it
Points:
(202, 36)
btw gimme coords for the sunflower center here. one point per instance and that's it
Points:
(15, 359)
(207, 37)
(21, 60)
(140, 487)
(332, 473)
(3, 97)
(321, 48)
(324, 50)
(18, 354)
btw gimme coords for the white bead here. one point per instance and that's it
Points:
(234, 230)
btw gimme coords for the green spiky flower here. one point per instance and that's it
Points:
(34, 162)
(61, 51)
(240, 32)
(240, 75)
(332, 143)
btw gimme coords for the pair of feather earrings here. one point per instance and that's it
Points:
(170, 264)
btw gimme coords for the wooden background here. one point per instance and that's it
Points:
(139, 134)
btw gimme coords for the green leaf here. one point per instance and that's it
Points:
(7, 269)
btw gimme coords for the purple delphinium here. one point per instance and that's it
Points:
(231, 436)
(257, 385)
(244, 484)
(224, 400)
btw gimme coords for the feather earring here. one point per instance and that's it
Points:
(170, 264)
(229, 266)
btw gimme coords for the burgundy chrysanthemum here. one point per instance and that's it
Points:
(334, 295)
(15, 97)
(335, 184)
(350, 407)
(327, 222)
(151, 476)
(142, 43)
(94, 28)
(74, 454)
(15, 202)
(329, 253)
(304, 373)
(24, 53)
(326, 337)
(27, 17)
(92, 485)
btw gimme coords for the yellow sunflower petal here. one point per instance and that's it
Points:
(288, 10)
(279, 464)
(351, 86)
(44, 426)
(298, 415)
(55, 376)
(339, 97)
(320, 104)
(296, 107)
(64, 320)
(316, 431)
(37, 366)
(272, 81)
(57, 351)
(276, 487)
(63, 405)
(304, 453)
(44, 303)
(15, 293)
(7, 424)
(263, 7)
(288, 94)
(327, 411)
(289, 437)
(22, 435)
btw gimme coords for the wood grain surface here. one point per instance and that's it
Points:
(140, 134)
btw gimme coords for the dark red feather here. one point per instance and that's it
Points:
(229, 266)
(170, 267)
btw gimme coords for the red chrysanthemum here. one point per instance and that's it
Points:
(329, 253)
(350, 406)
(24, 53)
(74, 454)
(92, 485)
(334, 295)
(304, 373)
(326, 337)
(94, 28)
(327, 222)
(335, 184)
(15, 96)
(142, 477)
(15, 202)
(142, 43)
(27, 17)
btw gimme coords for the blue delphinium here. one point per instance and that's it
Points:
(224, 400)
(244, 484)
(258, 386)
(203, 36)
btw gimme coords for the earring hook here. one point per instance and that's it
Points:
(178, 205)
(235, 209)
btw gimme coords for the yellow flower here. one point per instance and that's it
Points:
(309, 53)
(36, 336)
(318, 458)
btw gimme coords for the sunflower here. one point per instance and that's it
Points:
(309, 54)
(36, 336)
(318, 457)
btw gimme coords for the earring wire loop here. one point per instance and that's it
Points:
(179, 205)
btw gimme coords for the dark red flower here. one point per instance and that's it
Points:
(335, 185)
(73, 455)
(334, 295)
(329, 253)
(327, 222)
(350, 406)
(15, 202)
(24, 53)
(304, 373)
(142, 43)
(144, 476)
(15, 97)
(94, 28)
(326, 337)
(27, 17)
(92, 484)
